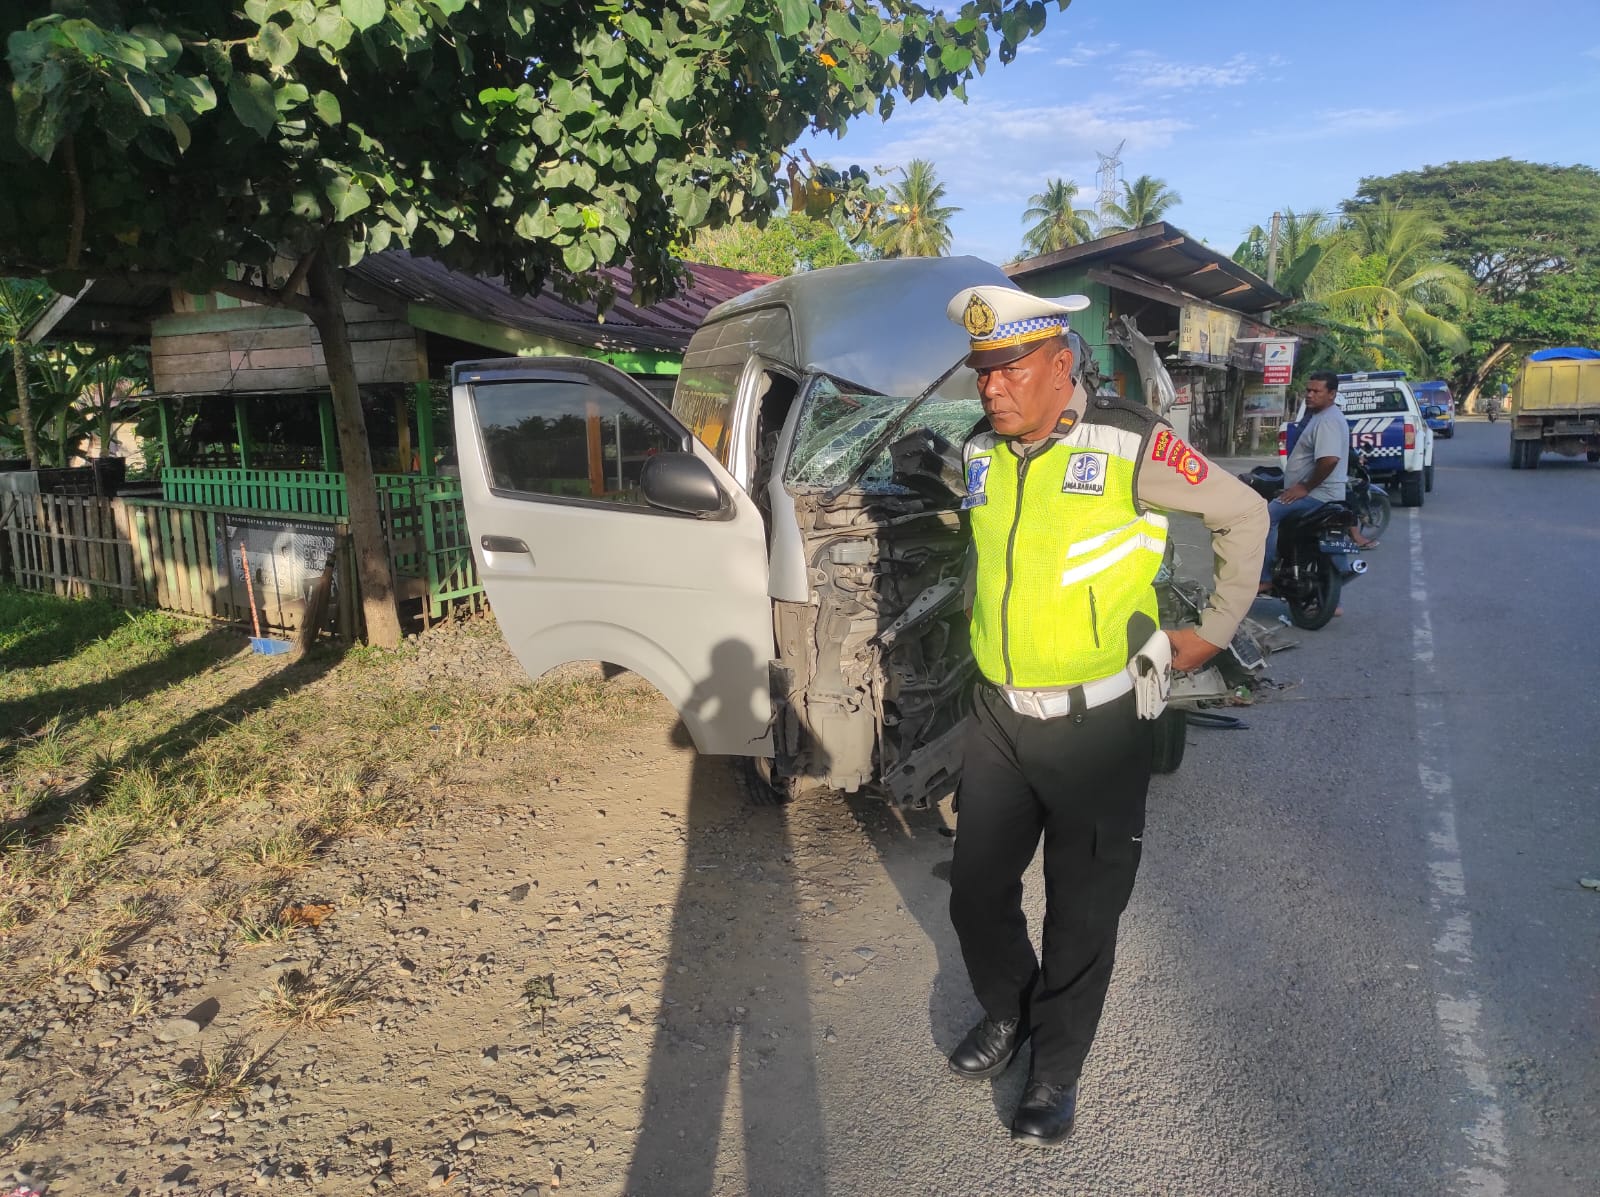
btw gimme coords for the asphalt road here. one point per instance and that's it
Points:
(1358, 961)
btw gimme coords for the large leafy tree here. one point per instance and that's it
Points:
(1528, 235)
(1144, 201)
(1058, 222)
(918, 224)
(1505, 222)
(525, 139)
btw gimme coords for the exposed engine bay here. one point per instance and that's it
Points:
(874, 671)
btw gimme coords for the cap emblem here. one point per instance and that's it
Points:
(979, 318)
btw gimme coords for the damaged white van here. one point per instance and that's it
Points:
(781, 553)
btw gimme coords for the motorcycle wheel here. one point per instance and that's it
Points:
(1494, 414)
(1314, 609)
(1170, 731)
(1373, 514)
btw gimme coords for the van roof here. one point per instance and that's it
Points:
(881, 324)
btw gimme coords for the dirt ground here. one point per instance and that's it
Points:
(582, 977)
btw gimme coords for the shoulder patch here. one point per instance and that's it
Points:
(1163, 441)
(1189, 464)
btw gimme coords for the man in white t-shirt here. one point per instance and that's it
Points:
(1319, 464)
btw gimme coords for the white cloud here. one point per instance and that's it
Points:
(1082, 55)
(1006, 151)
(1145, 70)
(1355, 119)
(1592, 52)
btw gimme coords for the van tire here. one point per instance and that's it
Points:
(753, 776)
(1427, 477)
(1411, 489)
(1170, 739)
(1592, 456)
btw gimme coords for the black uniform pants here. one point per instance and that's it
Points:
(1080, 782)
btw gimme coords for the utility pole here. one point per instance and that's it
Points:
(1272, 251)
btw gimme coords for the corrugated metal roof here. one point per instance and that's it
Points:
(626, 325)
(1165, 254)
(109, 307)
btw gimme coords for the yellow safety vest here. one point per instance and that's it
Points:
(1065, 555)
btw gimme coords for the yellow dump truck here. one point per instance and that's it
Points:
(1555, 406)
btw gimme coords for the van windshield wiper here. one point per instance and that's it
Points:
(886, 437)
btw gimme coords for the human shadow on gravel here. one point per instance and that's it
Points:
(735, 1022)
(23, 717)
(49, 813)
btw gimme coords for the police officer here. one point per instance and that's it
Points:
(1066, 494)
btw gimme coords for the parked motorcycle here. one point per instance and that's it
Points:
(1316, 554)
(1367, 499)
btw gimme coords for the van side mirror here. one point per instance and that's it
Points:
(680, 482)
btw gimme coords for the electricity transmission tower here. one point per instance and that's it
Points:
(1109, 176)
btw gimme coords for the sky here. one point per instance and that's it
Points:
(1247, 108)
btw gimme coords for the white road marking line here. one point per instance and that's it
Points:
(1483, 1175)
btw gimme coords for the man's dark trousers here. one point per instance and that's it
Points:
(1080, 781)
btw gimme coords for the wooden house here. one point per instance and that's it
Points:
(250, 472)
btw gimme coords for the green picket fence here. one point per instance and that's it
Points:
(423, 518)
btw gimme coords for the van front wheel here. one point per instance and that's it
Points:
(1171, 735)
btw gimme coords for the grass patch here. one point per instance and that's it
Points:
(265, 932)
(149, 751)
(220, 1079)
(296, 1000)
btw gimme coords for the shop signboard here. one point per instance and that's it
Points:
(1277, 363)
(1264, 402)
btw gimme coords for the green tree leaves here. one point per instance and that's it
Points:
(250, 97)
(526, 140)
(363, 14)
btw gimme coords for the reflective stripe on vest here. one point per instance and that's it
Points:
(1065, 556)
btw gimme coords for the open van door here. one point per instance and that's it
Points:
(566, 464)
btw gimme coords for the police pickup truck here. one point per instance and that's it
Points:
(1386, 426)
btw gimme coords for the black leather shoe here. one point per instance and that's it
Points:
(1046, 1113)
(988, 1048)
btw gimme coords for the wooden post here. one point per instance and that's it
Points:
(423, 391)
(241, 419)
(330, 432)
(164, 417)
(402, 427)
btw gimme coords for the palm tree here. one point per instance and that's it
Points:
(1384, 272)
(918, 226)
(1144, 201)
(21, 303)
(1302, 240)
(1059, 223)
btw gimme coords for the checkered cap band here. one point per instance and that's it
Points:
(1020, 332)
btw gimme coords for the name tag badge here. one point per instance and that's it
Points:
(977, 483)
(1086, 474)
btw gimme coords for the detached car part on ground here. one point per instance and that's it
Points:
(782, 554)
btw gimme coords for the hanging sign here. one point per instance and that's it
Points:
(1278, 365)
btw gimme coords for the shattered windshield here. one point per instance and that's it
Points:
(837, 426)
